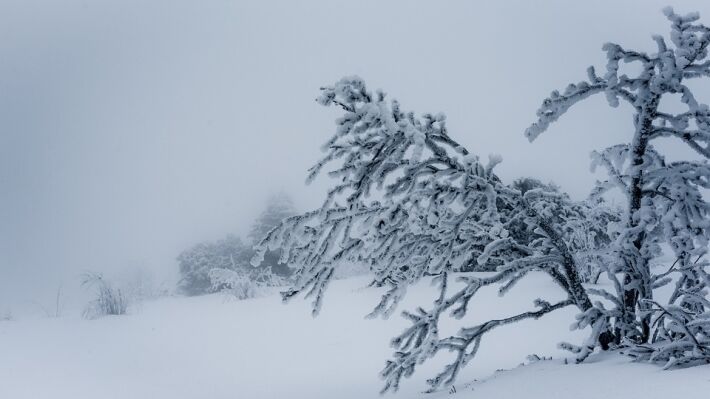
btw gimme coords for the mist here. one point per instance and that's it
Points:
(129, 130)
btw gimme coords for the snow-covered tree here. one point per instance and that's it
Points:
(665, 202)
(223, 264)
(196, 262)
(410, 202)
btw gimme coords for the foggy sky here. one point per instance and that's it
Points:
(131, 129)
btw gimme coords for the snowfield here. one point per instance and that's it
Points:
(213, 347)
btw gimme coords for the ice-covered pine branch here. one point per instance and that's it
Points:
(665, 201)
(409, 201)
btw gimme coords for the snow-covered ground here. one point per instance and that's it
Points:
(211, 347)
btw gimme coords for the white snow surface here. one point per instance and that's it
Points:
(211, 347)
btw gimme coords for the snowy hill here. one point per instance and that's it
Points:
(212, 347)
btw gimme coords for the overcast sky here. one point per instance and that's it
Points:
(132, 129)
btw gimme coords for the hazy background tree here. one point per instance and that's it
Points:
(206, 266)
(196, 262)
(278, 208)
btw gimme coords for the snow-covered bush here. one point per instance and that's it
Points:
(108, 300)
(231, 254)
(410, 202)
(195, 263)
(233, 282)
(245, 283)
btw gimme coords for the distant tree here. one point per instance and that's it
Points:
(206, 267)
(278, 208)
(195, 263)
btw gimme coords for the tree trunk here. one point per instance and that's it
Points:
(636, 283)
